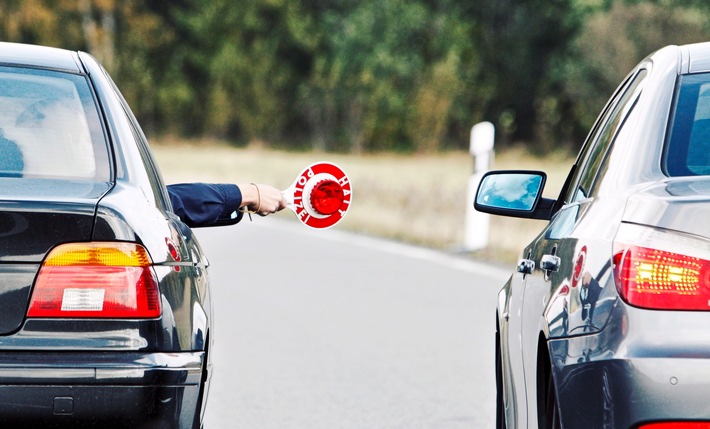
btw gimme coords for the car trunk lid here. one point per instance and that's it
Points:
(680, 204)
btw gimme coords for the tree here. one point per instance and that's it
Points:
(520, 41)
(613, 41)
(248, 62)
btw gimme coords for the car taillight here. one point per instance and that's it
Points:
(676, 425)
(96, 280)
(661, 270)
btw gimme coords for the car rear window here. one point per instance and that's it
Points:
(50, 127)
(687, 151)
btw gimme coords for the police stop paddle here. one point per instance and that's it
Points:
(320, 196)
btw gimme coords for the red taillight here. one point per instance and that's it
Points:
(327, 197)
(676, 425)
(97, 280)
(664, 273)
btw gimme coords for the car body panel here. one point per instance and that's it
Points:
(611, 364)
(657, 370)
(679, 204)
(40, 56)
(64, 371)
(69, 389)
(31, 225)
(510, 299)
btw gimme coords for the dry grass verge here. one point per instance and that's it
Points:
(419, 199)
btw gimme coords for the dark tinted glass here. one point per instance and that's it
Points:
(687, 151)
(594, 153)
(50, 127)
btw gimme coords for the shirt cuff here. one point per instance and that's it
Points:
(232, 201)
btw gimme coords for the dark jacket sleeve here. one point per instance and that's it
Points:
(206, 204)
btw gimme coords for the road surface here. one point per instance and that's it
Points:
(324, 329)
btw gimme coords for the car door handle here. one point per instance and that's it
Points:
(526, 266)
(550, 263)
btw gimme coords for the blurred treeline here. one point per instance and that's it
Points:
(363, 75)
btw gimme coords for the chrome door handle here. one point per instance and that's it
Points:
(550, 263)
(525, 266)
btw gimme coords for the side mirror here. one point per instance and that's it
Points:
(515, 193)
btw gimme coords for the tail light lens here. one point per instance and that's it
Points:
(676, 425)
(96, 280)
(657, 269)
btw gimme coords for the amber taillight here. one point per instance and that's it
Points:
(96, 280)
(662, 270)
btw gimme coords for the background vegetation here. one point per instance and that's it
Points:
(359, 76)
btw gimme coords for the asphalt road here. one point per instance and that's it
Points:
(324, 329)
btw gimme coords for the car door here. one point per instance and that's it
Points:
(572, 257)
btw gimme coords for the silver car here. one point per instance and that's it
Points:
(605, 323)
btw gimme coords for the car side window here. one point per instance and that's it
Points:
(593, 157)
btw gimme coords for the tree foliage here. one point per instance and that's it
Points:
(363, 75)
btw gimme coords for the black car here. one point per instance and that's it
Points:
(105, 312)
(605, 322)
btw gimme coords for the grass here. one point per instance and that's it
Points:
(419, 199)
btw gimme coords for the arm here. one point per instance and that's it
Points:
(204, 204)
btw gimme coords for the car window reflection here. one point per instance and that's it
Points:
(510, 191)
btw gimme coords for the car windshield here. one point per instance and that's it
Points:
(687, 150)
(50, 127)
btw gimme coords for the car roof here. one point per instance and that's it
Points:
(39, 56)
(695, 57)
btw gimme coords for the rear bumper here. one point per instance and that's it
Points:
(641, 368)
(129, 389)
(626, 393)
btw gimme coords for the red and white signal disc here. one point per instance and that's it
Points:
(320, 196)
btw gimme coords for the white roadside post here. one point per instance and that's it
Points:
(482, 139)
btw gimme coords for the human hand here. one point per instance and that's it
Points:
(262, 199)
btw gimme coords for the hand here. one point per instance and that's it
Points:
(262, 199)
